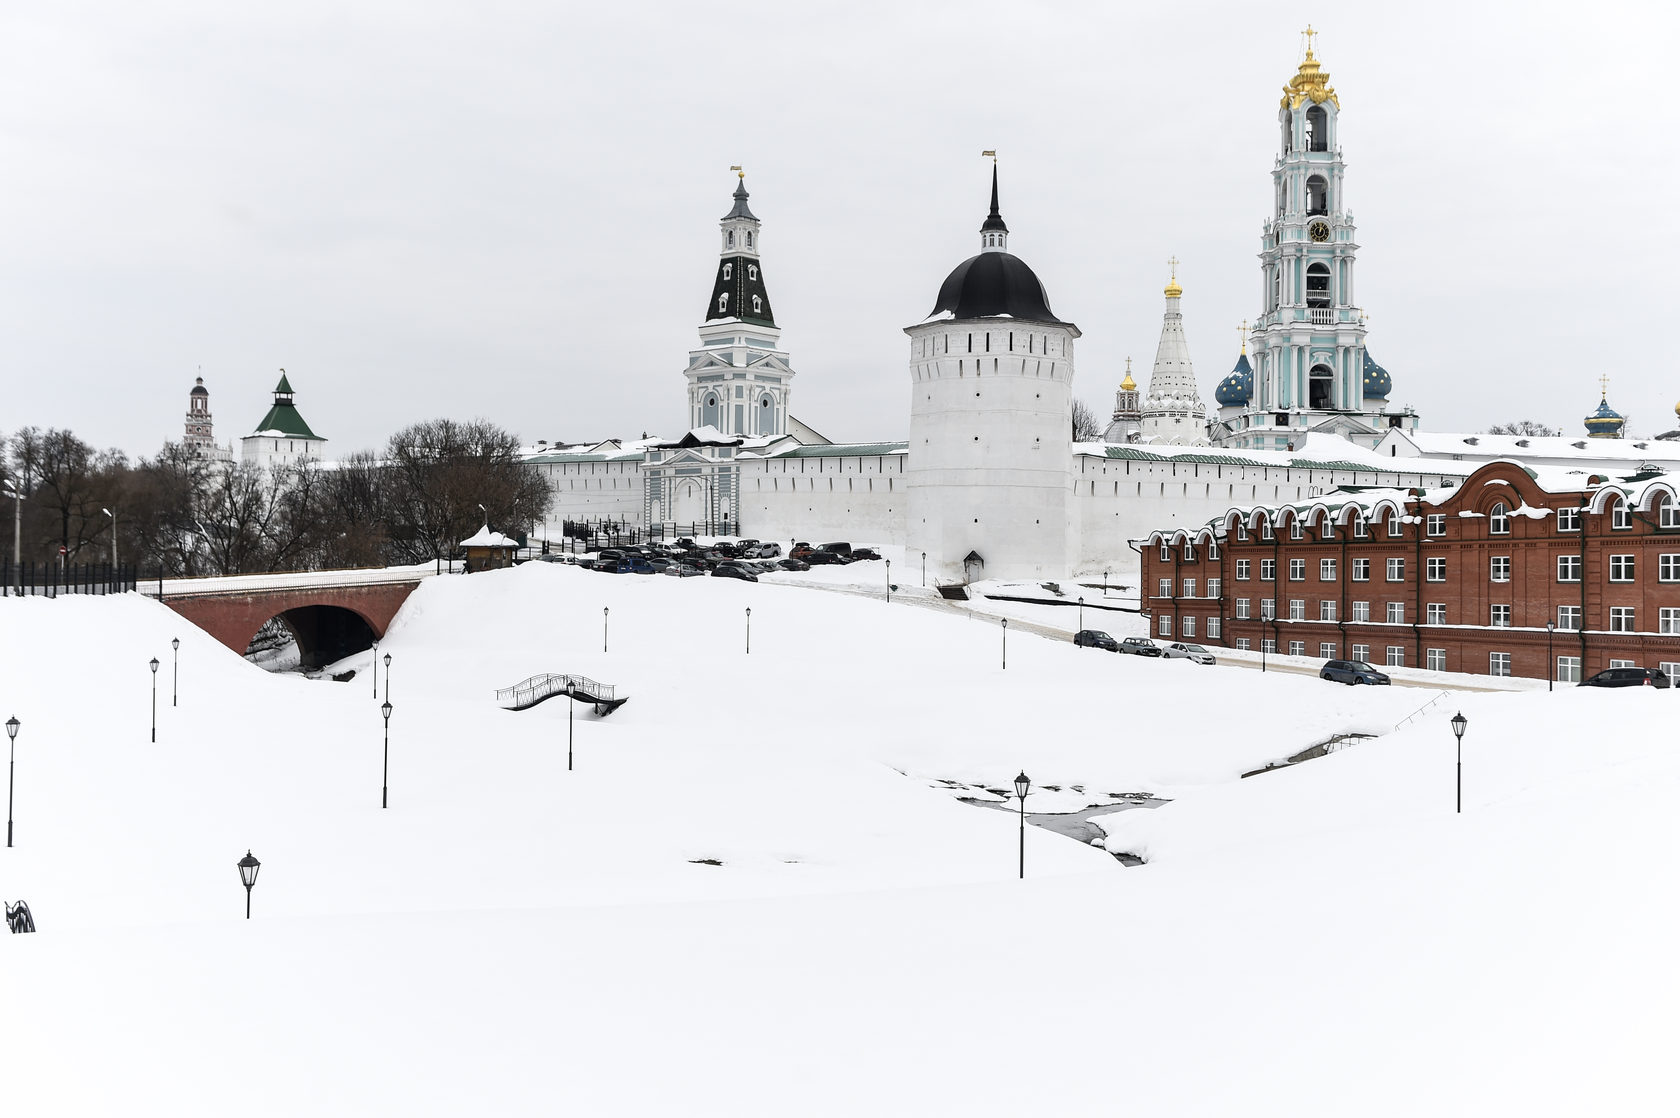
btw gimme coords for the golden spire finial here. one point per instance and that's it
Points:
(1128, 385)
(1242, 335)
(1603, 387)
(1310, 81)
(1173, 291)
(736, 167)
(993, 154)
(1309, 33)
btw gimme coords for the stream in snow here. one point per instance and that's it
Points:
(1074, 824)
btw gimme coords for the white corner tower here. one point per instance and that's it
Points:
(990, 472)
(1172, 409)
(739, 378)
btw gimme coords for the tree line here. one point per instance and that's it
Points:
(179, 513)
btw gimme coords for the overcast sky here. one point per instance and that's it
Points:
(510, 210)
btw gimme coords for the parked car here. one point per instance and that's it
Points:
(822, 556)
(731, 570)
(635, 565)
(1140, 646)
(1095, 638)
(793, 564)
(801, 551)
(1351, 672)
(1627, 677)
(684, 570)
(860, 554)
(659, 563)
(839, 549)
(1194, 653)
(768, 551)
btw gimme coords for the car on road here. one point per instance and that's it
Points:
(822, 556)
(1194, 653)
(1095, 638)
(731, 570)
(839, 549)
(1626, 677)
(1351, 672)
(793, 564)
(1140, 646)
(863, 554)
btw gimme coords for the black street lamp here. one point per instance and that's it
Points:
(1105, 582)
(924, 570)
(1458, 724)
(175, 683)
(571, 703)
(12, 725)
(749, 630)
(154, 697)
(387, 676)
(889, 580)
(385, 776)
(1022, 787)
(605, 610)
(1082, 613)
(1262, 644)
(1005, 622)
(248, 867)
(376, 669)
(1551, 665)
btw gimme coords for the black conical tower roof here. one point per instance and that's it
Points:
(994, 220)
(740, 209)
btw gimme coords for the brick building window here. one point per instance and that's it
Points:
(1569, 669)
(1215, 585)
(1437, 524)
(1213, 549)
(1242, 644)
(1165, 588)
(1165, 626)
(1361, 570)
(1501, 617)
(1327, 609)
(1569, 617)
(1623, 664)
(1396, 655)
(1189, 588)
(1621, 516)
(1242, 609)
(1359, 532)
(1242, 530)
(1361, 611)
(1213, 628)
(1326, 529)
(1435, 568)
(1668, 620)
(1621, 619)
(1499, 568)
(1499, 663)
(1361, 652)
(1621, 568)
(1297, 609)
(1327, 650)
(1166, 552)
(1268, 570)
(1266, 530)
(1295, 532)
(1242, 570)
(1297, 570)
(1297, 648)
(1268, 645)
(1395, 528)
(1569, 520)
(1397, 613)
(1499, 521)
(1669, 517)
(1435, 659)
(1672, 670)
(1327, 570)
(1435, 613)
(1397, 570)
(1569, 568)
(1268, 609)
(1668, 568)
(1189, 624)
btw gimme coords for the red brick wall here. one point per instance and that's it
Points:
(234, 619)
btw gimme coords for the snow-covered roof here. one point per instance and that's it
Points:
(1478, 445)
(484, 537)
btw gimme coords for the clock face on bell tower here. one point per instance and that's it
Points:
(1319, 231)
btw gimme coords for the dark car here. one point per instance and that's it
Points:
(1139, 646)
(801, 551)
(731, 570)
(635, 565)
(793, 564)
(1627, 677)
(839, 549)
(863, 554)
(1095, 638)
(1351, 672)
(823, 556)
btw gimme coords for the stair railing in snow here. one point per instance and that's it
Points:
(19, 918)
(1421, 709)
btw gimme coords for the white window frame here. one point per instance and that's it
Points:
(1569, 568)
(1297, 609)
(1164, 586)
(1621, 516)
(1242, 644)
(1499, 616)
(1188, 590)
(1327, 570)
(1621, 568)
(1213, 628)
(1326, 650)
(1360, 652)
(1569, 669)
(1621, 619)
(1435, 568)
(1242, 570)
(1569, 619)
(1268, 645)
(1499, 568)
(1268, 570)
(1396, 568)
(1361, 612)
(1396, 656)
(1395, 613)
(1569, 520)
(1242, 609)
(1436, 524)
(1499, 664)
(1187, 627)
(1435, 659)
(1435, 613)
(1215, 586)
(1499, 520)
(1668, 568)
(1668, 620)
(1361, 571)
(1297, 570)
(1297, 648)
(1164, 624)
(1268, 609)
(1327, 609)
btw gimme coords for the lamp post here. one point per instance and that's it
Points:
(17, 532)
(1551, 665)
(248, 867)
(1105, 582)
(924, 570)
(1005, 622)
(1262, 644)
(175, 681)
(387, 676)
(113, 517)
(570, 703)
(385, 776)
(889, 580)
(376, 668)
(749, 630)
(1082, 613)
(154, 697)
(1458, 724)
(12, 725)
(605, 611)
(1022, 787)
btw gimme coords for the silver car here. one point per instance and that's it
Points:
(1194, 653)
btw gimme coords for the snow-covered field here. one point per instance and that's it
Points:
(513, 938)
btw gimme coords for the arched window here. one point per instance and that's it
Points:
(1499, 520)
(1318, 195)
(752, 271)
(1318, 129)
(729, 239)
(1319, 387)
(758, 305)
(709, 414)
(1621, 515)
(1669, 516)
(723, 300)
(727, 269)
(766, 416)
(749, 238)
(1318, 285)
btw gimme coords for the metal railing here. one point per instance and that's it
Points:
(1421, 709)
(49, 580)
(531, 691)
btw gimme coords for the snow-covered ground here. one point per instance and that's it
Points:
(513, 938)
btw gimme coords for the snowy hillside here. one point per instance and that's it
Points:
(513, 938)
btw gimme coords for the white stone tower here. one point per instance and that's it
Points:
(200, 435)
(990, 470)
(1126, 424)
(1173, 411)
(739, 378)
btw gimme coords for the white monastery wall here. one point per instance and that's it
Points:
(861, 498)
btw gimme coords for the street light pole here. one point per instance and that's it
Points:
(749, 630)
(154, 697)
(1551, 665)
(376, 668)
(1082, 613)
(12, 725)
(1005, 621)
(385, 777)
(113, 517)
(605, 610)
(1459, 722)
(570, 703)
(1105, 582)
(924, 570)
(889, 580)
(1022, 787)
(387, 676)
(248, 867)
(175, 683)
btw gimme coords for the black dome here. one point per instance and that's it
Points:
(992, 284)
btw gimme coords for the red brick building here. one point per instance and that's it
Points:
(1462, 579)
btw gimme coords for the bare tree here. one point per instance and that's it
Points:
(1086, 427)
(1523, 427)
(441, 471)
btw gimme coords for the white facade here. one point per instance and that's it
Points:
(282, 438)
(1172, 411)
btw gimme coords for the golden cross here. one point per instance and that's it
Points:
(1604, 386)
(1173, 264)
(1242, 335)
(1309, 33)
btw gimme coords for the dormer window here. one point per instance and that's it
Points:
(1621, 516)
(723, 300)
(727, 269)
(758, 305)
(752, 271)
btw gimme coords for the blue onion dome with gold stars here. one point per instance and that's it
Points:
(1378, 384)
(1605, 422)
(1236, 390)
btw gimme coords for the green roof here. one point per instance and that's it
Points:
(285, 419)
(843, 450)
(284, 385)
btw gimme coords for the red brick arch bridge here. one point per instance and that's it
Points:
(331, 613)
